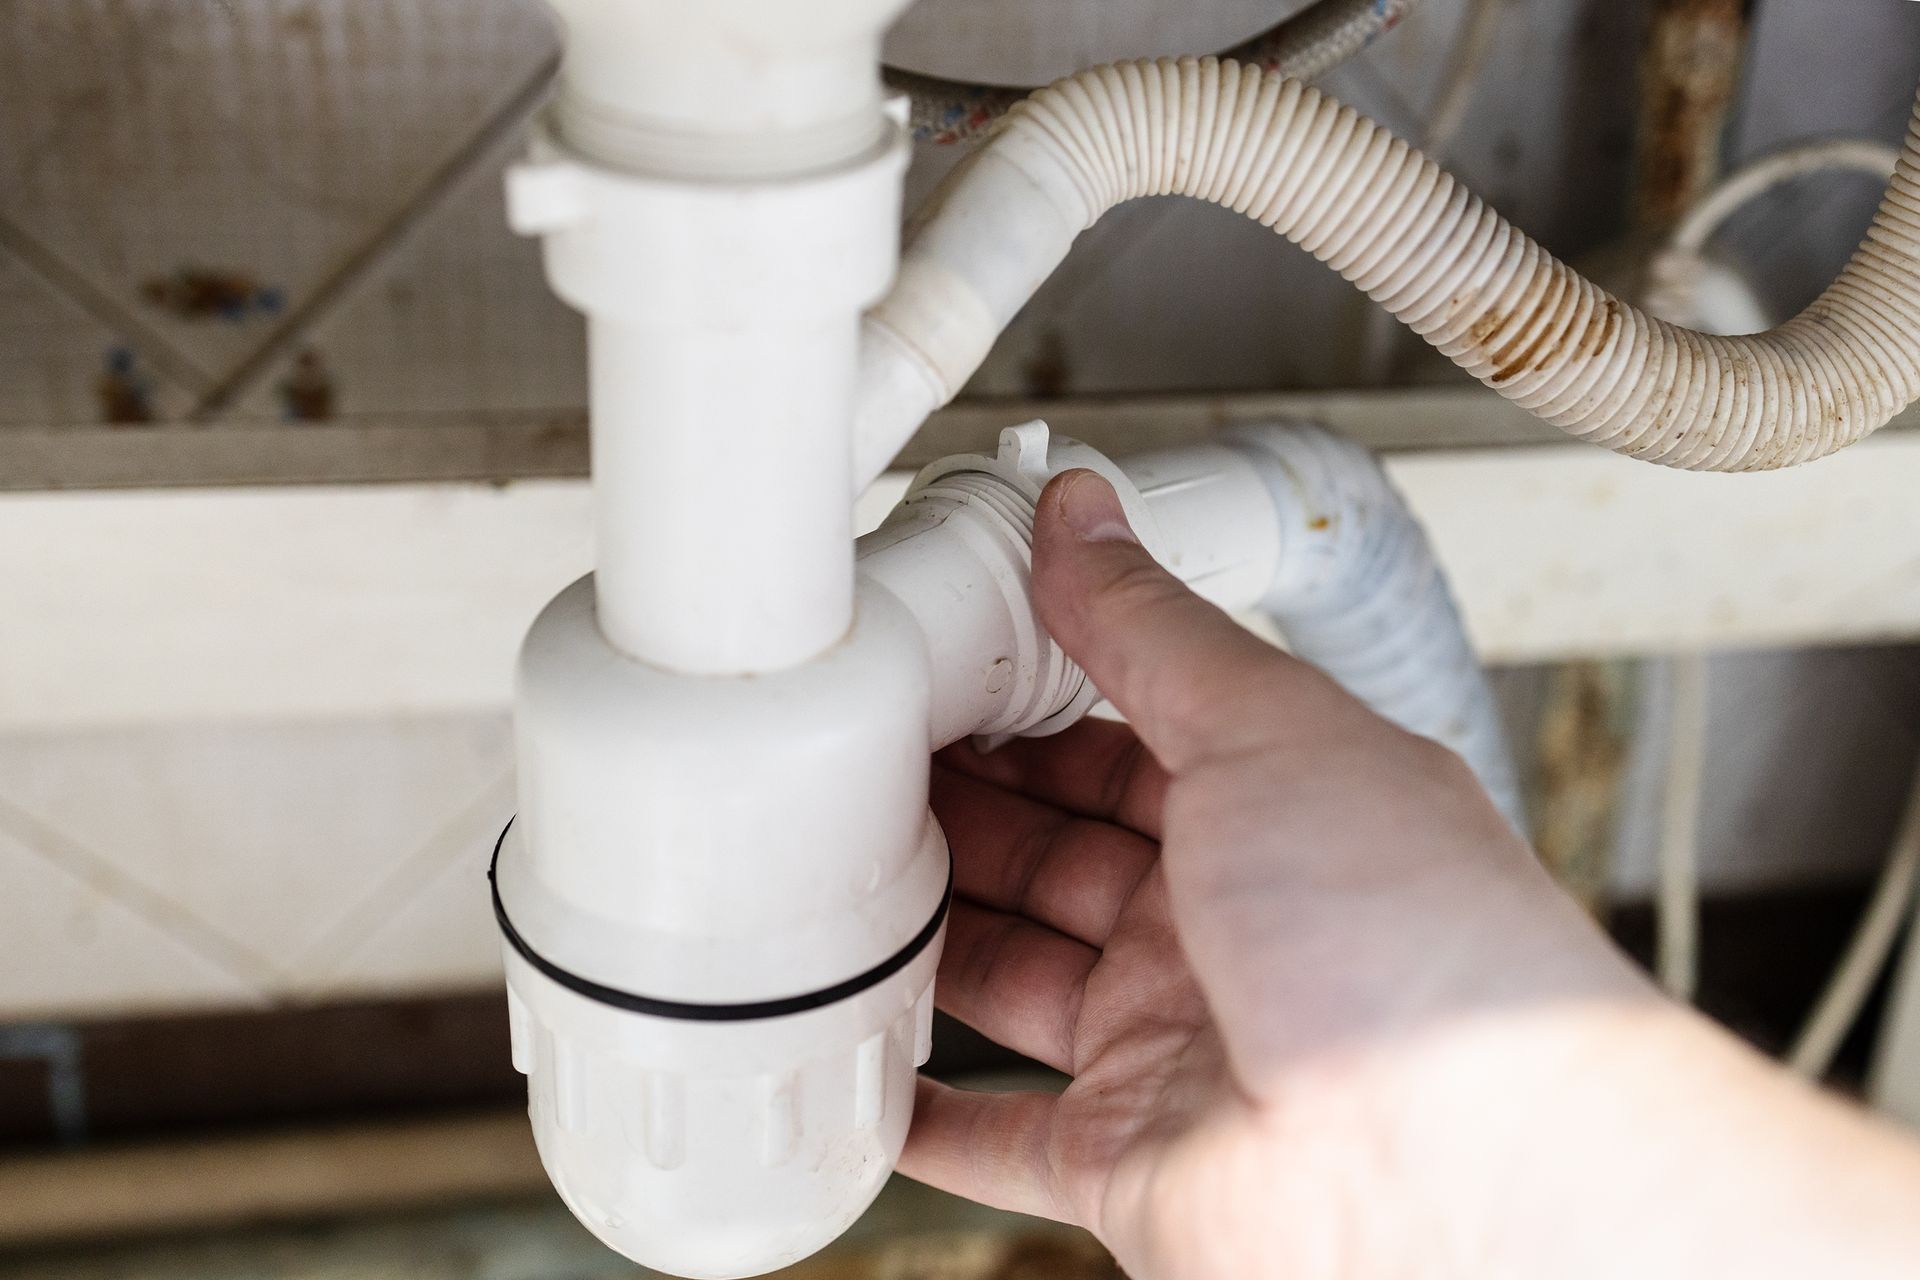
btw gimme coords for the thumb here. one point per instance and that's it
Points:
(1192, 682)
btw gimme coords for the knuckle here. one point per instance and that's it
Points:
(982, 955)
(1032, 850)
(1141, 584)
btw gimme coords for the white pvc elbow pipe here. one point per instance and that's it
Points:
(1289, 520)
(1360, 594)
(1416, 241)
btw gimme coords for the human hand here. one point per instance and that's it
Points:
(1323, 1012)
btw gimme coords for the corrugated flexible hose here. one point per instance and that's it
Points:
(1361, 595)
(1416, 241)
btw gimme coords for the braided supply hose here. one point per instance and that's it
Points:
(1321, 37)
(1306, 46)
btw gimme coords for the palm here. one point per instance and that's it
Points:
(1144, 1053)
(1061, 945)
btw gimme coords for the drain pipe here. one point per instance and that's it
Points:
(724, 897)
(718, 189)
(1290, 521)
(720, 959)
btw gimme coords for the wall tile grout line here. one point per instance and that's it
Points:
(320, 961)
(364, 261)
(53, 272)
(173, 919)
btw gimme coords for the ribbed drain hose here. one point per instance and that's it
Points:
(1362, 596)
(1417, 242)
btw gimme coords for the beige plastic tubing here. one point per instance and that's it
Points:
(1414, 240)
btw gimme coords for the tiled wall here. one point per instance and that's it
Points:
(245, 865)
(185, 183)
(182, 180)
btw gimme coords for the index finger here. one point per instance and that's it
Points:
(1096, 769)
(1194, 683)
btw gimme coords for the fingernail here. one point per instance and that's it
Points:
(1092, 509)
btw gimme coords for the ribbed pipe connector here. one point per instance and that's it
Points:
(958, 552)
(1056, 692)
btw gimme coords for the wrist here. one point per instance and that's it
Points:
(1636, 1138)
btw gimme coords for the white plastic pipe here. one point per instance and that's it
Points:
(1416, 241)
(1867, 954)
(1289, 520)
(1687, 287)
(723, 320)
(719, 547)
(1360, 594)
(723, 899)
(723, 902)
(958, 560)
(1853, 979)
(1789, 164)
(722, 88)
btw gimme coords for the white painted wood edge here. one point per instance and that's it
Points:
(142, 606)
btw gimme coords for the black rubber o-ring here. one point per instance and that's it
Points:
(692, 1012)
